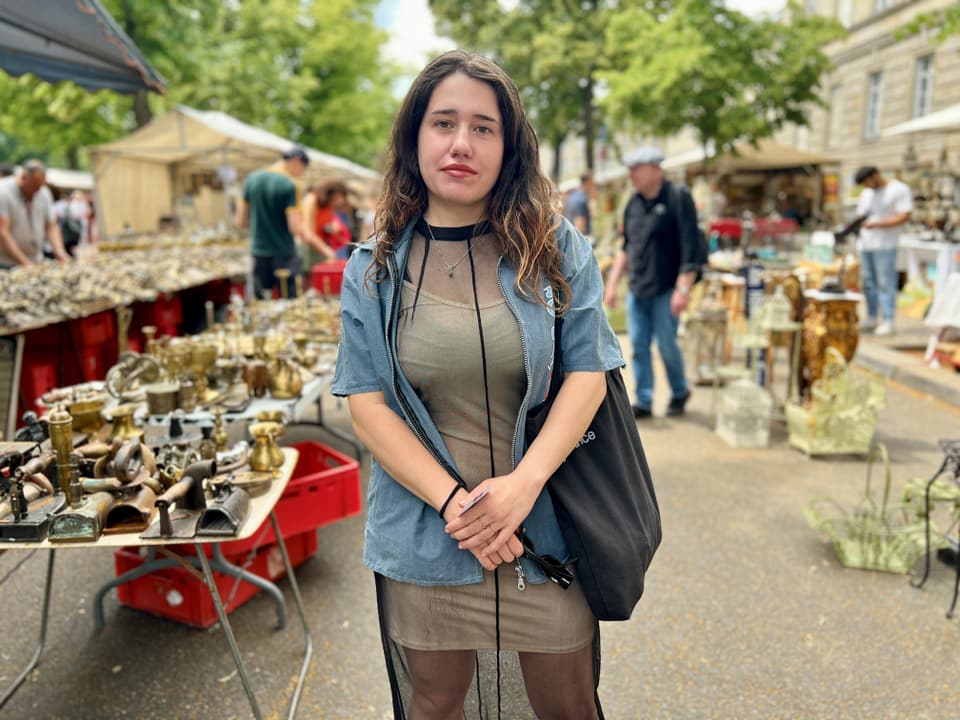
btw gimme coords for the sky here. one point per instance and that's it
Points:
(413, 38)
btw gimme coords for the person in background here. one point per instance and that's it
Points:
(447, 334)
(886, 205)
(576, 207)
(325, 234)
(270, 207)
(659, 252)
(6, 169)
(27, 220)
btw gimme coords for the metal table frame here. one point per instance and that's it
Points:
(205, 564)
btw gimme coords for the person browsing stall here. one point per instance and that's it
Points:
(659, 250)
(27, 219)
(325, 235)
(446, 344)
(271, 209)
(887, 206)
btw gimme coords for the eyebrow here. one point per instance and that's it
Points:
(479, 116)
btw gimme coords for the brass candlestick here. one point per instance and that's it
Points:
(282, 275)
(61, 440)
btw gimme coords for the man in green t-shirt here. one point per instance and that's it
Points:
(270, 207)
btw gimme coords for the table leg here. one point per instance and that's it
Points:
(227, 630)
(220, 563)
(308, 652)
(149, 566)
(44, 614)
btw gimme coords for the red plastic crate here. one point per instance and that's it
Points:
(94, 330)
(324, 488)
(176, 594)
(327, 277)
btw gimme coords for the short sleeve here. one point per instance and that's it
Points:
(904, 200)
(864, 202)
(356, 371)
(588, 342)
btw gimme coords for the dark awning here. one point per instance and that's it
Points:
(72, 40)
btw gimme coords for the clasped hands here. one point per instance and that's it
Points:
(488, 529)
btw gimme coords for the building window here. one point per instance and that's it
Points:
(871, 124)
(845, 12)
(923, 86)
(881, 5)
(811, 6)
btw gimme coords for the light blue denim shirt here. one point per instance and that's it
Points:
(404, 537)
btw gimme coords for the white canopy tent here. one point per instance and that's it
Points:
(767, 155)
(192, 153)
(940, 121)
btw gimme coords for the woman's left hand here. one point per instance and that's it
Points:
(490, 524)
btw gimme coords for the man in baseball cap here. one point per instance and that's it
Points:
(659, 255)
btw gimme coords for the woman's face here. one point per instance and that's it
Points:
(460, 149)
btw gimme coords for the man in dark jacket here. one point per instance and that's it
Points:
(660, 250)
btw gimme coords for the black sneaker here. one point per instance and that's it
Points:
(677, 405)
(641, 412)
(948, 556)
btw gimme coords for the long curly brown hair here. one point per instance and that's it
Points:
(523, 213)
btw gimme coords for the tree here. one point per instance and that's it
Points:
(551, 50)
(946, 22)
(696, 64)
(303, 69)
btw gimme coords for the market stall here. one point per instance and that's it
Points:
(183, 166)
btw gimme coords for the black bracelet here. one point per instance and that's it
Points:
(446, 502)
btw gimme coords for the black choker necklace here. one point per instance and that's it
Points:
(451, 234)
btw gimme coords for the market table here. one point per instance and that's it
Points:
(261, 507)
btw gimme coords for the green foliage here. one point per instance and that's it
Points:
(699, 65)
(309, 70)
(549, 47)
(945, 22)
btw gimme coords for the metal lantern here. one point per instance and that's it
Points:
(743, 415)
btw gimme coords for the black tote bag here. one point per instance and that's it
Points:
(604, 499)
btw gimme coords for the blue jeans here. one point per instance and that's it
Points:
(649, 319)
(880, 281)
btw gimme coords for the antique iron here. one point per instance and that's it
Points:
(224, 516)
(190, 501)
(25, 511)
(84, 523)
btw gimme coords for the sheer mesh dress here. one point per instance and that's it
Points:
(439, 349)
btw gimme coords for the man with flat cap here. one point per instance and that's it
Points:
(271, 208)
(660, 256)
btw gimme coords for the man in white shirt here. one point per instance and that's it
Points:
(26, 218)
(886, 205)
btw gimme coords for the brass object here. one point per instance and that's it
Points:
(161, 398)
(258, 378)
(188, 495)
(829, 321)
(266, 455)
(84, 523)
(307, 357)
(123, 426)
(187, 396)
(132, 511)
(298, 283)
(124, 316)
(60, 423)
(219, 432)
(87, 416)
(126, 379)
(150, 340)
(282, 275)
(284, 378)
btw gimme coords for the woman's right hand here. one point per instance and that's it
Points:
(505, 554)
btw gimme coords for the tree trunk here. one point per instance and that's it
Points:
(557, 159)
(589, 130)
(141, 108)
(73, 157)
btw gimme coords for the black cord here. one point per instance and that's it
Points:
(493, 473)
(443, 508)
(423, 266)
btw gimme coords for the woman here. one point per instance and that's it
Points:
(326, 235)
(446, 343)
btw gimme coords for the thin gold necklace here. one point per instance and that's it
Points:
(450, 268)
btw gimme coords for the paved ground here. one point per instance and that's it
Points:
(747, 612)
